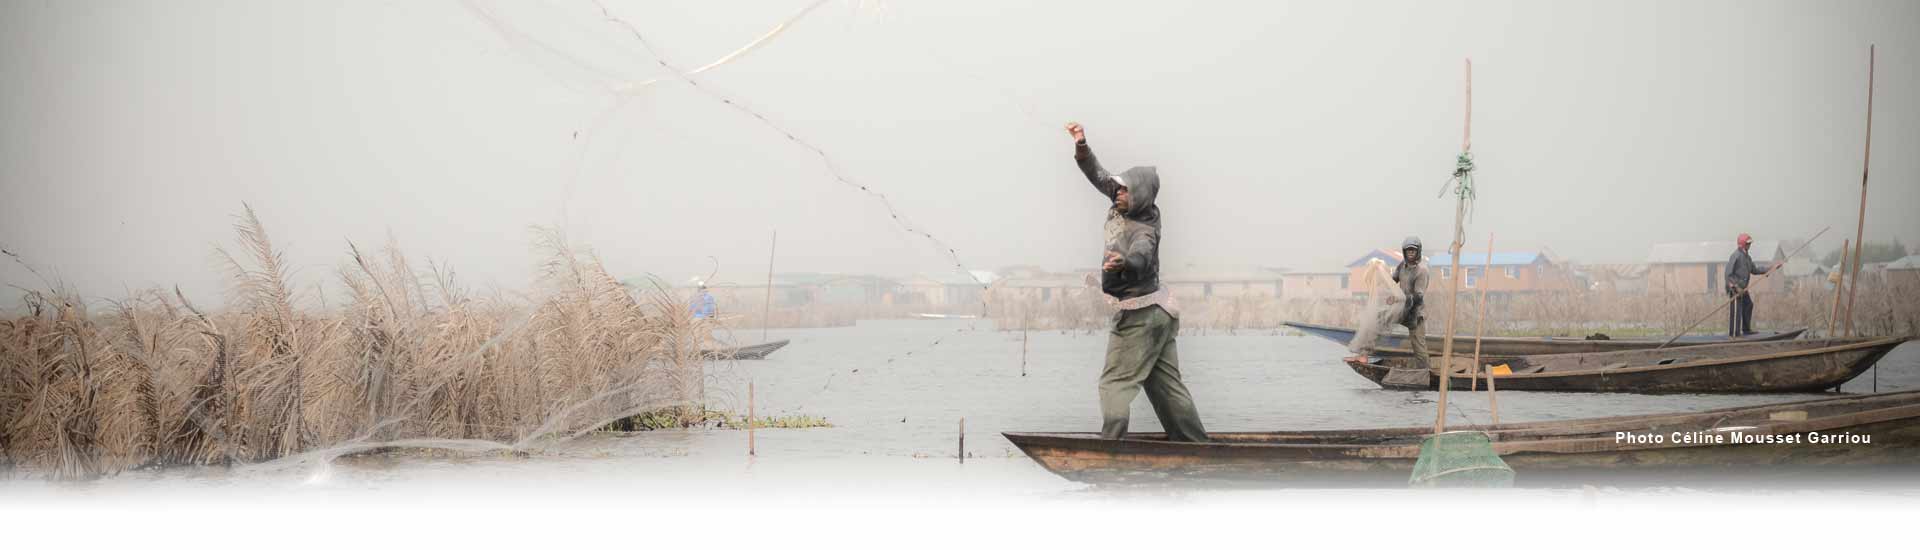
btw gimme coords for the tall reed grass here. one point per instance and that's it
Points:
(412, 358)
(1882, 308)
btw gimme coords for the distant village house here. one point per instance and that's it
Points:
(1700, 267)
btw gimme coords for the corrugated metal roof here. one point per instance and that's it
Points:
(1707, 252)
(1388, 255)
(1800, 267)
(1616, 271)
(1480, 258)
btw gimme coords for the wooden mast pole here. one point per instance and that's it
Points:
(1833, 317)
(1859, 231)
(1480, 324)
(1453, 294)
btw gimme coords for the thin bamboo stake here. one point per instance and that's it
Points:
(1453, 296)
(1493, 399)
(1025, 323)
(1742, 292)
(1833, 318)
(1859, 230)
(766, 310)
(1480, 326)
(750, 450)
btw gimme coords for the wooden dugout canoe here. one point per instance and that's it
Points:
(1788, 366)
(1396, 344)
(1539, 452)
(756, 351)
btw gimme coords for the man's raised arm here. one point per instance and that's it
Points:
(1083, 155)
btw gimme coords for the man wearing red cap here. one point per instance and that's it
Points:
(1740, 272)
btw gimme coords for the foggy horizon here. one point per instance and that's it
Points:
(1295, 136)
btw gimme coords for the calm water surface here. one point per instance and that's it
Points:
(896, 391)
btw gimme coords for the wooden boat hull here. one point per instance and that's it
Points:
(1396, 344)
(1794, 366)
(744, 353)
(1539, 450)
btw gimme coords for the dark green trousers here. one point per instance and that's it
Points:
(1417, 342)
(1141, 352)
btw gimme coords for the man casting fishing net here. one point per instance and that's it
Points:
(1405, 306)
(1140, 348)
(1411, 274)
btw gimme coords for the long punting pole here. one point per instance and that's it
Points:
(766, 310)
(1742, 292)
(1833, 318)
(1480, 325)
(1453, 295)
(1859, 231)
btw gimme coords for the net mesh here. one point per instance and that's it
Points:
(1385, 303)
(1460, 459)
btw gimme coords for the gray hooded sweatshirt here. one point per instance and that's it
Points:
(1135, 234)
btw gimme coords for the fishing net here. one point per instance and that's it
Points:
(1463, 459)
(1385, 303)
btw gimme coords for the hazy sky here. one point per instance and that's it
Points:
(1292, 135)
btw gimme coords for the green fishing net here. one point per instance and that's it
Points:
(1460, 459)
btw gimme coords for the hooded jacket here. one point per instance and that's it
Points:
(1135, 233)
(1412, 277)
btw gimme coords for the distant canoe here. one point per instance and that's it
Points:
(1573, 450)
(1396, 344)
(756, 351)
(944, 316)
(1789, 366)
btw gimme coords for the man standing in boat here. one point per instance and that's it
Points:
(1411, 274)
(1140, 349)
(703, 306)
(1740, 272)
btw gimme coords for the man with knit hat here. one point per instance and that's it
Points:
(1740, 272)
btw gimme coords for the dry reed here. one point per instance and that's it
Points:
(411, 359)
(1884, 308)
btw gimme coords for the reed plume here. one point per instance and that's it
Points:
(410, 359)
